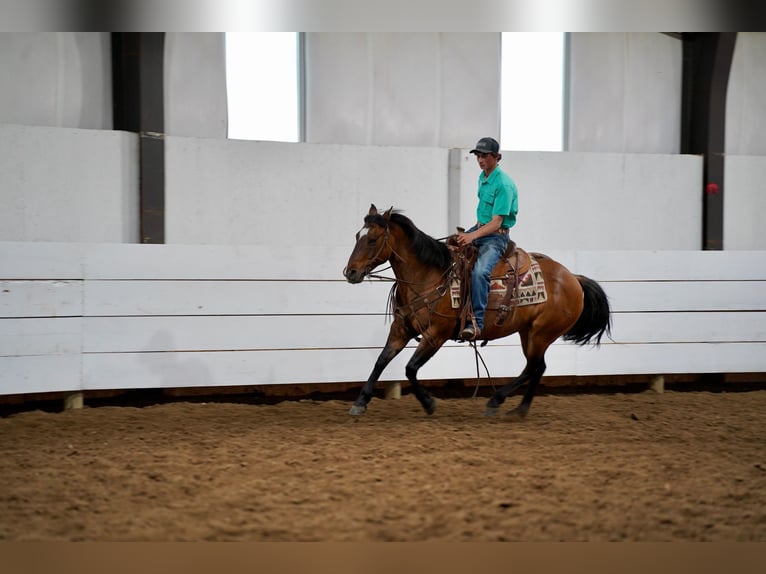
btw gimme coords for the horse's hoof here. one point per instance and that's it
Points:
(491, 411)
(357, 410)
(431, 408)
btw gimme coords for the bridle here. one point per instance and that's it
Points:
(375, 260)
(428, 299)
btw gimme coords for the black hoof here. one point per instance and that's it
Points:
(430, 408)
(491, 411)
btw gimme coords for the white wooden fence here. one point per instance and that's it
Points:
(119, 316)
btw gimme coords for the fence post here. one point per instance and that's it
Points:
(73, 402)
(393, 390)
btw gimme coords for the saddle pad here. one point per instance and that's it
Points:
(530, 290)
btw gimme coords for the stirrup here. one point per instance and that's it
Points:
(470, 332)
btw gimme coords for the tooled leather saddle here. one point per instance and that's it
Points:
(516, 280)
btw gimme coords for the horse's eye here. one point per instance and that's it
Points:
(371, 241)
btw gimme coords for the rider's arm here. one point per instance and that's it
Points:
(488, 229)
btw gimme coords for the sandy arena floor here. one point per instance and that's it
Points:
(679, 466)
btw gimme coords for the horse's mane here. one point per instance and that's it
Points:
(428, 250)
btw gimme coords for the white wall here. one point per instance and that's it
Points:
(195, 84)
(746, 97)
(625, 93)
(230, 192)
(418, 89)
(265, 193)
(61, 184)
(241, 192)
(394, 89)
(64, 79)
(744, 203)
(56, 79)
(82, 185)
(745, 168)
(597, 201)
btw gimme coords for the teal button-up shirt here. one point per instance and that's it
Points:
(497, 196)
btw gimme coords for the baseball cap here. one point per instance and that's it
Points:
(486, 145)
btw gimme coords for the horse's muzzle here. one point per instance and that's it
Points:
(354, 275)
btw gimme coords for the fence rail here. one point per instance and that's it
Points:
(123, 316)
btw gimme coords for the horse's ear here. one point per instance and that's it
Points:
(387, 214)
(373, 209)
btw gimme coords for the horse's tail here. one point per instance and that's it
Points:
(595, 319)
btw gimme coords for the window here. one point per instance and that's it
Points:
(262, 85)
(532, 91)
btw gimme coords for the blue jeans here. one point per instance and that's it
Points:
(491, 249)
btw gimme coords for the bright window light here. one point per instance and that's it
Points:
(532, 97)
(262, 82)
(262, 86)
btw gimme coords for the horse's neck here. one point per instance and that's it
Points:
(412, 274)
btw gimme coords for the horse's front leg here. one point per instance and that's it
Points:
(397, 340)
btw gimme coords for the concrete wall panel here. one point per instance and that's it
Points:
(68, 185)
(597, 201)
(744, 203)
(746, 97)
(58, 79)
(299, 194)
(195, 85)
(625, 93)
(420, 89)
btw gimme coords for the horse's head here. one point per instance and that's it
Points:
(372, 246)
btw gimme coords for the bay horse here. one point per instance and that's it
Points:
(576, 308)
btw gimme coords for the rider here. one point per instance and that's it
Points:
(495, 214)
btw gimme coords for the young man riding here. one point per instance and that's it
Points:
(495, 215)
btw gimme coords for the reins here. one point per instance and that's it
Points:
(429, 299)
(486, 369)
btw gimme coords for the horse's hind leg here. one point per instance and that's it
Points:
(534, 379)
(532, 373)
(529, 373)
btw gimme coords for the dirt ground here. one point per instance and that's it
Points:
(679, 466)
